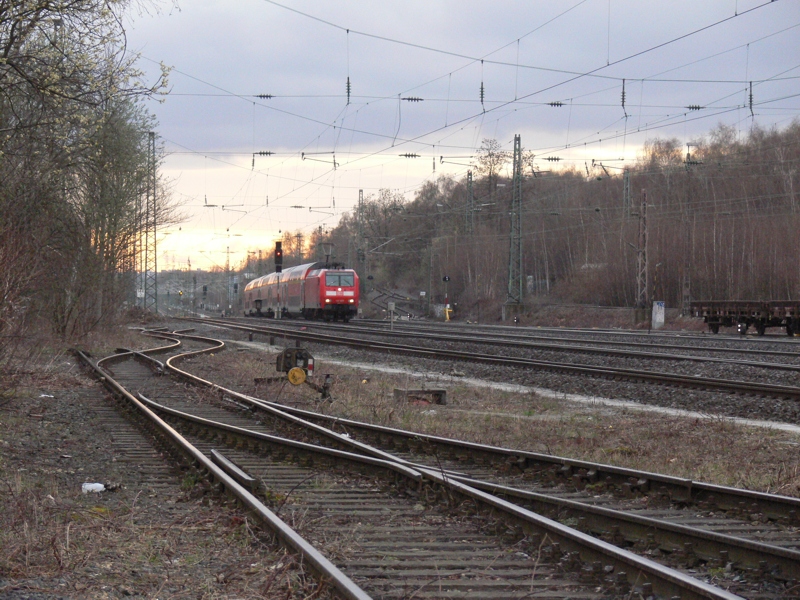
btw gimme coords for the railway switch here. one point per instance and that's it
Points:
(298, 364)
(295, 358)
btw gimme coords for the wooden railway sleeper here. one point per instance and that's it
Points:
(620, 584)
(686, 555)
(584, 477)
(613, 536)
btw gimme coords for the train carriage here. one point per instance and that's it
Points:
(312, 291)
(744, 314)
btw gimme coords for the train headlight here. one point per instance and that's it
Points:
(352, 301)
(327, 300)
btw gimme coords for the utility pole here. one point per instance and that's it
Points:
(194, 288)
(469, 225)
(686, 223)
(360, 247)
(642, 282)
(626, 193)
(515, 237)
(298, 247)
(228, 277)
(138, 272)
(150, 230)
(430, 277)
(194, 294)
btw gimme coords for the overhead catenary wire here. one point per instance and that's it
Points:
(592, 72)
(353, 132)
(321, 123)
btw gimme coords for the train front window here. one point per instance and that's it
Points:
(339, 279)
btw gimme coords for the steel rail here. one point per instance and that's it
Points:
(774, 506)
(706, 383)
(772, 339)
(528, 335)
(670, 536)
(669, 581)
(664, 580)
(280, 442)
(581, 473)
(326, 571)
(493, 341)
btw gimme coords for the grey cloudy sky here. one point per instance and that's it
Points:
(671, 54)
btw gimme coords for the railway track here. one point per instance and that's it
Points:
(780, 339)
(560, 339)
(604, 372)
(555, 560)
(584, 347)
(757, 532)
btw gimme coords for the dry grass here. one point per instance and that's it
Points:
(713, 450)
(577, 315)
(173, 542)
(70, 545)
(96, 548)
(43, 357)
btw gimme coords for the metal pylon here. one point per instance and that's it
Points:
(515, 238)
(150, 266)
(626, 193)
(469, 224)
(642, 280)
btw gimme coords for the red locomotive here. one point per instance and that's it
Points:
(313, 291)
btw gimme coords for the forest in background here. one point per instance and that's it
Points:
(723, 214)
(75, 167)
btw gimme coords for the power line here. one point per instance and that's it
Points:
(591, 73)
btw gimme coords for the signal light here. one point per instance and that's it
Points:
(278, 257)
(235, 288)
(205, 290)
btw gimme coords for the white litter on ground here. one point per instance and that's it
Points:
(93, 487)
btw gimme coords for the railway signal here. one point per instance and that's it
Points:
(278, 257)
(447, 309)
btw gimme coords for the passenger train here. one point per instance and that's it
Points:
(313, 291)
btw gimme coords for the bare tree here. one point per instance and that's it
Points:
(491, 159)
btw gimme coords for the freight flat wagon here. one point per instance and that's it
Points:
(744, 314)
